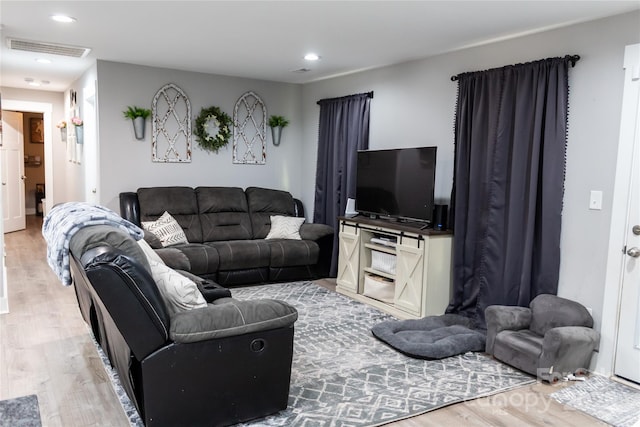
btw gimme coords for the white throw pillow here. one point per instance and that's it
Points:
(167, 229)
(149, 252)
(285, 227)
(178, 292)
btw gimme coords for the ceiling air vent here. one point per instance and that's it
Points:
(50, 48)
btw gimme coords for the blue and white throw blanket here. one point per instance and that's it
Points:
(64, 220)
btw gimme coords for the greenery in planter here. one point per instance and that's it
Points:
(133, 112)
(277, 121)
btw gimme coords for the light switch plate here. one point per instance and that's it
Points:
(595, 200)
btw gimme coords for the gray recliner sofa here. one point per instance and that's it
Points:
(226, 229)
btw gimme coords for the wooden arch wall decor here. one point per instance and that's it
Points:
(171, 125)
(249, 130)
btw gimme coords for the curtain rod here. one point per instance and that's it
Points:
(369, 95)
(571, 58)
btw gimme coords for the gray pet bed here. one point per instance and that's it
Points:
(433, 337)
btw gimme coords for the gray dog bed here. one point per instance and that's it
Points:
(433, 337)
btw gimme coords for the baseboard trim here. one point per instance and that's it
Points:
(4, 305)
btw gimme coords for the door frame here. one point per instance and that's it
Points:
(617, 233)
(47, 110)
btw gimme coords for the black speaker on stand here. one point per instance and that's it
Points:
(440, 217)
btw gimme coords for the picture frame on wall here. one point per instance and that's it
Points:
(36, 130)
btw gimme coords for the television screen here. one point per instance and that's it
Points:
(397, 183)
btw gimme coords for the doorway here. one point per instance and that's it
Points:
(46, 110)
(43, 111)
(620, 347)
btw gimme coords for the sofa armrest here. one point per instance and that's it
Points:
(230, 317)
(503, 317)
(315, 231)
(298, 208)
(324, 236)
(567, 348)
(174, 258)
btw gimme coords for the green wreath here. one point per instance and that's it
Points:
(222, 123)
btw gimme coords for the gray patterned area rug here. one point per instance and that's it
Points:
(20, 412)
(343, 376)
(604, 399)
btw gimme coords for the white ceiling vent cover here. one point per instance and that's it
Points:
(50, 48)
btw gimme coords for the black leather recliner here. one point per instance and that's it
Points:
(226, 363)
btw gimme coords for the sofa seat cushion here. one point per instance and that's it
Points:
(242, 254)
(202, 258)
(292, 253)
(519, 348)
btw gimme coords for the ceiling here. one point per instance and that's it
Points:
(267, 39)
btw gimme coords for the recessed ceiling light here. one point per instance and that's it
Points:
(31, 82)
(311, 57)
(43, 61)
(63, 18)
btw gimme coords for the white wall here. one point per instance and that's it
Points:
(75, 171)
(414, 104)
(125, 163)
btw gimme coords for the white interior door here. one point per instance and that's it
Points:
(12, 171)
(627, 358)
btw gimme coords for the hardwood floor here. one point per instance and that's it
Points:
(46, 349)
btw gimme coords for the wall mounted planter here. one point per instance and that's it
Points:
(138, 127)
(276, 134)
(79, 135)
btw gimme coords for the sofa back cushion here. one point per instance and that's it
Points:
(125, 291)
(180, 202)
(265, 202)
(551, 311)
(223, 213)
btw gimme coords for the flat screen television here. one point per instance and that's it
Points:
(396, 183)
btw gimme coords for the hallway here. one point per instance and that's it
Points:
(45, 345)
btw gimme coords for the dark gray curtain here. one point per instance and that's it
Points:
(344, 129)
(510, 138)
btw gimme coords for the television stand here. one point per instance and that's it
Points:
(396, 267)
